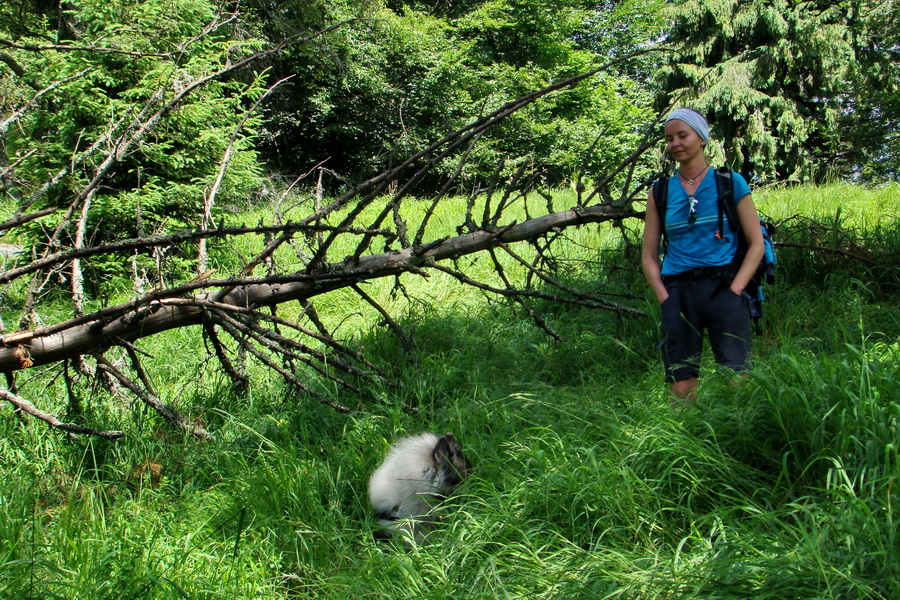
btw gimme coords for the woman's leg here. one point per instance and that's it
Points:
(729, 330)
(686, 389)
(682, 340)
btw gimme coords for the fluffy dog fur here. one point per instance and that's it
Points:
(417, 472)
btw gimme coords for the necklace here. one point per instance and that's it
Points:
(695, 177)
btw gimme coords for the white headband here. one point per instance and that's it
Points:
(695, 120)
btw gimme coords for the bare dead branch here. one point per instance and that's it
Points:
(536, 318)
(166, 411)
(81, 159)
(132, 352)
(154, 314)
(37, 284)
(27, 407)
(489, 194)
(91, 48)
(5, 123)
(420, 234)
(376, 185)
(77, 278)
(288, 376)
(10, 168)
(267, 252)
(324, 338)
(210, 198)
(150, 116)
(10, 62)
(601, 186)
(542, 275)
(512, 186)
(22, 219)
(239, 378)
(404, 338)
(514, 293)
(279, 344)
(164, 240)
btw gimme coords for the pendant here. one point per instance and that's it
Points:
(696, 177)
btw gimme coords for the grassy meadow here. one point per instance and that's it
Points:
(586, 483)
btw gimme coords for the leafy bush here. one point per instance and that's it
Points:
(131, 61)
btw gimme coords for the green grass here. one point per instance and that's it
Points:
(586, 483)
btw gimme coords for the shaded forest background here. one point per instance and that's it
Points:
(797, 91)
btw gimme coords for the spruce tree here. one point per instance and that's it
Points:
(779, 80)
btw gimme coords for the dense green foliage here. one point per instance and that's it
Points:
(108, 71)
(877, 87)
(97, 105)
(408, 73)
(586, 484)
(797, 91)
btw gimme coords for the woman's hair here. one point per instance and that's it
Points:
(694, 119)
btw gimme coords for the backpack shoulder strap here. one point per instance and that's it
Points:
(726, 201)
(661, 199)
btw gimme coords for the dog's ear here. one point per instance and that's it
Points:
(450, 464)
(446, 450)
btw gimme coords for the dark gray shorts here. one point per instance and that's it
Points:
(697, 305)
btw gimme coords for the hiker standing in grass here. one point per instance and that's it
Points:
(699, 284)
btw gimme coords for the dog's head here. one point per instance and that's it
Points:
(450, 464)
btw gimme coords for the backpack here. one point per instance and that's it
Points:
(765, 272)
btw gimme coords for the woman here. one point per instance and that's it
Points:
(698, 284)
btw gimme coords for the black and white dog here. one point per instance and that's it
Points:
(417, 473)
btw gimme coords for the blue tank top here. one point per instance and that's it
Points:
(694, 246)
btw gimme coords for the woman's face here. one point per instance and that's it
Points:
(682, 142)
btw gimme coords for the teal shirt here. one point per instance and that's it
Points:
(695, 246)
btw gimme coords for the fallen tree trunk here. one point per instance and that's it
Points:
(158, 313)
(238, 311)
